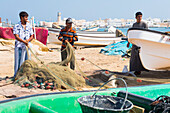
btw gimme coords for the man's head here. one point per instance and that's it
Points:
(138, 17)
(23, 16)
(69, 23)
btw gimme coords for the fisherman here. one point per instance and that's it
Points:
(135, 62)
(24, 34)
(67, 34)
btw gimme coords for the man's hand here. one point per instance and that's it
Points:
(66, 41)
(26, 43)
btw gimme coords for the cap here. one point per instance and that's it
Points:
(69, 20)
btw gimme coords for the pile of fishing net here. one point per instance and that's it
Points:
(50, 76)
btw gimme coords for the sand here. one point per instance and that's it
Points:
(112, 63)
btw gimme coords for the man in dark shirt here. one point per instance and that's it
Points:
(139, 23)
(67, 34)
(135, 62)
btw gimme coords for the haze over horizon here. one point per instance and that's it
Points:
(44, 10)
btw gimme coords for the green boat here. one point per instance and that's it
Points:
(66, 102)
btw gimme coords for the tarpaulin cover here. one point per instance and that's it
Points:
(41, 33)
(118, 48)
(6, 32)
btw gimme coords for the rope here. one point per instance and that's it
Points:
(89, 79)
(94, 64)
(123, 74)
(6, 84)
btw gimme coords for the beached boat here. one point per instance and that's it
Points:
(67, 102)
(87, 38)
(154, 47)
(92, 29)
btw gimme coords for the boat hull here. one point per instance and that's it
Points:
(66, 102)
(154, 48)
(87, 38)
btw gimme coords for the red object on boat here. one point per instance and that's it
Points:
(41, 34)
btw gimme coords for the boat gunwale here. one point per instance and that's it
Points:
(149, 30)
(79, 35)
(81, 32)
(44, 94)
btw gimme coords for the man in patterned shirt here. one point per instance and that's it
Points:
(67, 34)
(24, 34)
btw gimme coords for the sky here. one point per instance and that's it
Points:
(46, 10)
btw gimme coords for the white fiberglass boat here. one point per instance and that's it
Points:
(154, 47)
(86, 38)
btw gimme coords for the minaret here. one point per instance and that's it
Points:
(59, 17)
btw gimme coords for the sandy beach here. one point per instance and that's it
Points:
(112, 63)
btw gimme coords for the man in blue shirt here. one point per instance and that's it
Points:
(24, 34)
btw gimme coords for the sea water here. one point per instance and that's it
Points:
(124, 30)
